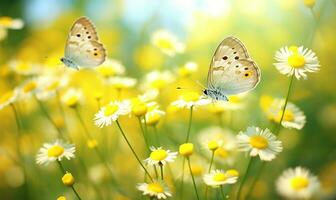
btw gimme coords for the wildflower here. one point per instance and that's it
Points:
(61, 198)
(190, 99)
(297, 183)
(72, 97)
(259, 142)
(167, 42)
(157, 189)
(293, 116)
(68, 179)
(157, 80)
(49, 85)
(8, 98)
(51, 152)
(217, 178)
(153, 115)
(160, 156)
(111, 112)
(296, 60)
(10, 23)
(186, 149)
(92, 143)
(111, 68)
(309, 3)
(24, 67)
(122, 82)
(187, 69)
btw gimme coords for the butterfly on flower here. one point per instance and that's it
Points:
(231, 71)
(83, 47)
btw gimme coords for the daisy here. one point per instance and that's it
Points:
(24, 68)
(29, 88)
(297, 183)
(122, 82)
(154, 114)
(157, 79)
(296, 60)
(190, 99)
(259, 142)
(10, 23)
(49, 85)
(111, 68)
(8, 98)
(293, 116)
(111, 112)
(51, 152)
(72, 97)
(157, 190)
(160, 156)
(187, 69)
(217, 178)
(167, 42)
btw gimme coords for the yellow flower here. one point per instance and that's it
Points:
(7, 98)
(213, 145)
(68, 179)
(186, 149)
(160, 156)
(187, 69)
(61, 198)
(10, 23)
(167, 42)
(92, 143)
(110, 68)
(72, 97)
(309, 3)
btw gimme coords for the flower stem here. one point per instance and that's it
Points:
(133, 151)
(211, 162)
(192, 177)
(286, 101)
(64, 172)
(46, 114)
(143, 134)
(254, 181)
(244, 178)
(182, 179)
(189, 125)
(161, 169)
(222, 193)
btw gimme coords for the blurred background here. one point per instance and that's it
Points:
(35, 44)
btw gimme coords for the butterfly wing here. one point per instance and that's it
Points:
(82, 46)
(232, 71)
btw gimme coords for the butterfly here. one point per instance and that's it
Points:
(82, 47)
(231, 71)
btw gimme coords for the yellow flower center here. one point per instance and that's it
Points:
(72, 100)
(159, 155)
(309, 3)
(220, 177)
(139, 109)
(6, 97)
(213, 145)
(232, 172)
(106, 70)
(153, 119)
(155, 187)
(6, 21)
(186, 149)
(259, 142)
(165, 43)
(299, 182)
(296, 60)
(92, 143)
(55, 151)
(61, 198)
(110, 110)
(24, 67)
(29, 87)
(197, 170)
(68, 179)
(158, 83)
(190, 96)
(288, 116)
(221, 152)
(53, 85)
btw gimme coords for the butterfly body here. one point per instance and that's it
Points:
(231, 71)
(83, 48)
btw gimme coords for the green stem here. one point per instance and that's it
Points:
(254, 181)
(46, 114)
(62, 111)
(192, 177)
(156, 172)
(64, 172)
(244, 178)
(161, 169)
(286, 101)
(222, 193)
(182, 179)
(143, 134)
(189, 125)
(76, 193)
(133, 151)
(211, 162)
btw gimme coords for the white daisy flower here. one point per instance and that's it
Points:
(217, 178)
(8, 97)
(259, 142)
(187, 69)
(111, 112)
(297, 183)
(160, 156)
(49, 85)
(153, 114)
(296, 60)
(167, 42)
(72, 97)
(158, 190)
(111, 67)
(10, 23)
(29, 88)
(119, 82)
(190, 99)
(293, 116)
(157, 80)
(51, 152)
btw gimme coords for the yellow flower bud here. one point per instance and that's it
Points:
(213, 145)
(92, 143)
(139, 109)
(186, 149)
(309, 3)
(68, 179)
(61, 198)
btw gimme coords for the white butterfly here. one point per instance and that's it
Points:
(82, 47)
(231, 71)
